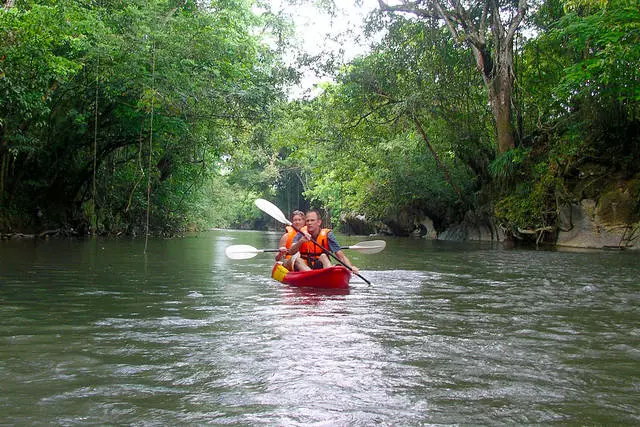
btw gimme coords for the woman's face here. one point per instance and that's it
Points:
(298, 221)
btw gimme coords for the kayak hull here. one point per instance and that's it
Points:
(335, 277)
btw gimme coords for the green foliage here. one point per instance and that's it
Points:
(201, 73)
(507, 167)
(358, 142)
(520, 210)
(531, 205)
(40, 50)
(74, 73)
(582, 80)
(579, 92)
(606, 47)
(223, 205)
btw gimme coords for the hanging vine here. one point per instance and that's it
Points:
(153, 90)
(95, 154)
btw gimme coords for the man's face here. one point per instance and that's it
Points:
(298, 221)
(313, 223)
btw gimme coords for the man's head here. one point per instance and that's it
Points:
(314, 222)
(298, 219)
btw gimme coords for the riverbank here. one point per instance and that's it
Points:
(585, 224)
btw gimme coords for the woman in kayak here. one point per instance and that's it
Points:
(298, 221)
(311, 256)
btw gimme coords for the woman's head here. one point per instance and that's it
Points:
(298, 218)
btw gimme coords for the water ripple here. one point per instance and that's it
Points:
(442, 336)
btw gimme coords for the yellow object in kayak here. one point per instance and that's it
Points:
(279, 271)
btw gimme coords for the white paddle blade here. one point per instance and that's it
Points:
(369, 247)
(272, 210)
(241, 251)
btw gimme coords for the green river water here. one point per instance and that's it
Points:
(96, 332)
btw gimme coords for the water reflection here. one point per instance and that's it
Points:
(309, 296)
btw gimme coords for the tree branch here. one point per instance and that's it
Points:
(443, 169)
(515, 22)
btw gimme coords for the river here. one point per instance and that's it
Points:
(97, 332)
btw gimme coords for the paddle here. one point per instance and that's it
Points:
(273, 211)
(246, 251)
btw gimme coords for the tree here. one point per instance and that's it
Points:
(75, 73)
(579, 86)
(489, 28)
(580, 79)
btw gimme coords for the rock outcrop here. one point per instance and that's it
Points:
(474, 227)
(611, 221)
(606, 224)
(358, 225)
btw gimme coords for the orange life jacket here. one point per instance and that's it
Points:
(310, 252)
(291, 233)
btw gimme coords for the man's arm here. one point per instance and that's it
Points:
(342, 257)
(334, 246)
(297, 242)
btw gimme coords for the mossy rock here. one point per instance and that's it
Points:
(589, 181)
(618, 204)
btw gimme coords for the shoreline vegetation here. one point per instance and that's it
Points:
(624, 237)
(155, 117)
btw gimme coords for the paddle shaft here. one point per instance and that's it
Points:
(331, 254)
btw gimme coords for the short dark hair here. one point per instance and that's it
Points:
(316, 211)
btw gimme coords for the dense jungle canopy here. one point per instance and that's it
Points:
(113, 110)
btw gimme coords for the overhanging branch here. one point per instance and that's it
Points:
(443, 169)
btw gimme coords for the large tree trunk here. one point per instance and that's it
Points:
(500, 100)
(498, 79)
(480, 19)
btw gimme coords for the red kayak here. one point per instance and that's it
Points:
(335, 277)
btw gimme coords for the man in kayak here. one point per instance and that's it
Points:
(298, 221)
(311, 256)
